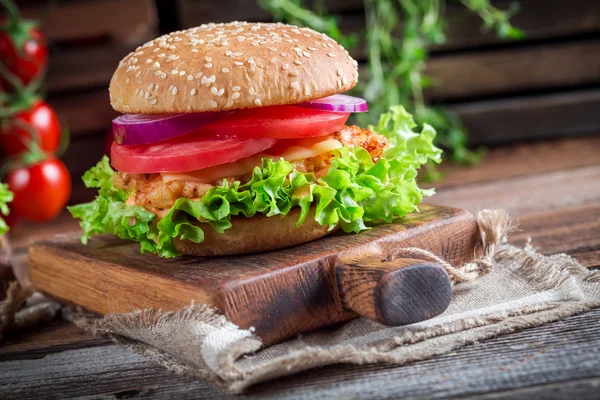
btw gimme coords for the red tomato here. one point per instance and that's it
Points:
(278, 122)
(41, 119)
(184, 153)
(26, 63)
(41, 190)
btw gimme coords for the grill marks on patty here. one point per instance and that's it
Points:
(152, 193)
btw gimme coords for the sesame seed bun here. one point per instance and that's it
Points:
(218, 67)
(256, 234)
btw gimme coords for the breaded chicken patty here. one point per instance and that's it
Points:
(153, 193)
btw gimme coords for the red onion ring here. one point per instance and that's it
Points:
(337, 103)
(132, 129)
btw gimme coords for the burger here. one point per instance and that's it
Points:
(234, 139)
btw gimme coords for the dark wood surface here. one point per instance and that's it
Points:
(279, 293)
(560, 360)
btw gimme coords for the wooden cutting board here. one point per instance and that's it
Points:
(279, 293)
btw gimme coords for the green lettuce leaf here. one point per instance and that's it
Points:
(6, 197)
(355, 192)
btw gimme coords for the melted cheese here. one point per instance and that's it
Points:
(305, 148)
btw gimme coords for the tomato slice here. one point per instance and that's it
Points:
(189, 152)
(279, 122)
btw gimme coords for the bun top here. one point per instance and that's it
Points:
(218, 67)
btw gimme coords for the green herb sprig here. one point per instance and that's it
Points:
(398, 36)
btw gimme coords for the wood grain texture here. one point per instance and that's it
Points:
(393, 293)
(545, 116)
(279, 293)
(119, 19)
(562, 352)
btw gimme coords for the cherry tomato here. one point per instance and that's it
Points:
(41, 190)
(26, 63)
(184, 153)
(278, 122)
(41, 119)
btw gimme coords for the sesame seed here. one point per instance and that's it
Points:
(293, 72)
(151, 86)
(258, 102)
(251, 90)
(137, 74)
(344, 80)
(225, 70)
(228, 52)
(161, 55)
(190, 77)
(154, 101)
(156, 87)
(220, 92)
(239, 63)
(149, 61)
(147, 95)
(306, 54)
(174, 72)
(273, 60)
(181, 73)
(307, 91)
(340, 72)
(298, 62)
(193, 92)
(213, 104)
(171, 47)
(284, 54)
(331, 54)
(295, 85)
(209, 65)
(157, 72)
(214, 90)
(198, 75)
(330, 45)
(142, 93)
(136, 92)
(229, 104)
(235, 95)
(238, 54)
(312, 49)
(213, 78)
(174, 90)
(236, 88)
(207, 58)
(272, 48)
(194, 50)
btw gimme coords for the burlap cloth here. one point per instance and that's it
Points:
(523, 289)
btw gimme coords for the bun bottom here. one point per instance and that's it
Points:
(254, 235)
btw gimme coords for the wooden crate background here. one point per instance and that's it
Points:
(547, 85)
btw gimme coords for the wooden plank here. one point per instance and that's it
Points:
(55, 337)
(575, 231)
(124, 20)
(539, 19)
(193, 13)
(511, 161)
(92, 66)
(563, 351)
(279, 293)
(531, 117)
(86, 112)
(516, 69)
(527, 194)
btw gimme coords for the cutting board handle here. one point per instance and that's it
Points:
(395, 293)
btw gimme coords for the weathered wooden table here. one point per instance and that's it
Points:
(554, 190)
